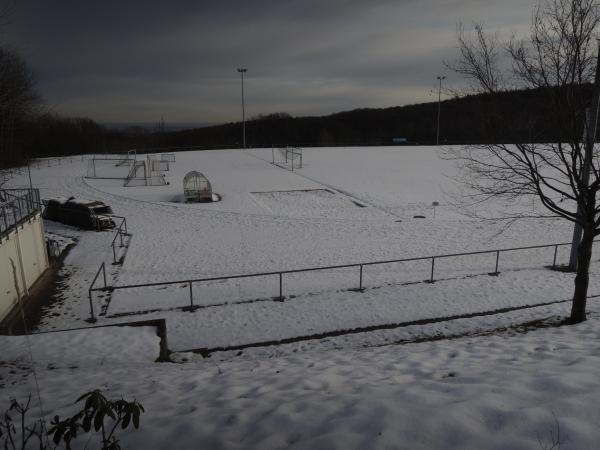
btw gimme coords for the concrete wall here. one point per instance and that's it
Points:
(23, 259)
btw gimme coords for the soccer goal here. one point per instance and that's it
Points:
(145, 173)
(128, 159)
(168, 157)
(107, 167)
(288, 157)
(157, 165)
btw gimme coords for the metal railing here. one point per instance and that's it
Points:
(120, 232)
(16, 207)
(102, 269)
(281, 273)
(57, 161)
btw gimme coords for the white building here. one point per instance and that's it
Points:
(23, 254)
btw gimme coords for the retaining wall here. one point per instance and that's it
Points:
(23, 259)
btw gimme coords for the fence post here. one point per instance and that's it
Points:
(17, 218)
(554, 260)
(497, 258)
(104, 274)
(191, 296)
(121, 236)
(280, 286)
(125, 223)
(114, 252)
(92, 318)
(432, 266)
(360, 286)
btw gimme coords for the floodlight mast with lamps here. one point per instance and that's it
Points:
(242, 71)
(437, 138)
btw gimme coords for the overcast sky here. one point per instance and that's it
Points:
(135, 61)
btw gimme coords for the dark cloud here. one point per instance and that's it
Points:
(136, 61)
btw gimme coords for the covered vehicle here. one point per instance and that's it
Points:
(79, 212)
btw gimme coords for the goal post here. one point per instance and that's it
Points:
(129, 158)
(288, 157)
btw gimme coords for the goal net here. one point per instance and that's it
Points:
(288, 157)
(108, 167)
(128, 159)
(157, 166)
(142, 174)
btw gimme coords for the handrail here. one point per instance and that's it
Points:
(103, 269)
(119, 234)
(280, 273)
(16, 209)
(340, 266)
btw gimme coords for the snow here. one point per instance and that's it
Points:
(493, 392)
(349, 374)
(92, 346)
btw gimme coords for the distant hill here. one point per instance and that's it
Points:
(514, 116)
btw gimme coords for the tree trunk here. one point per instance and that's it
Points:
(582, 279)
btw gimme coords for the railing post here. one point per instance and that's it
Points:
(121, 236)
(191, 296)
(360, 286)
(280, 286)
(104, 274)
(432, 266)
(92, 318)
(114, 252)
(125, 223)
(554, 260)
(497, 258)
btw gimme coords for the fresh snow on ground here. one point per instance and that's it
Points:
(337, 381)
(103, 345)
(491, 392)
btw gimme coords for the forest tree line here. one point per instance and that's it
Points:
(28, 131)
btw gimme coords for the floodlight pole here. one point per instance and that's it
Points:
(437, 137)
(242, 71)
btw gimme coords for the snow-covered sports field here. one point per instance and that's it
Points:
(334, 380)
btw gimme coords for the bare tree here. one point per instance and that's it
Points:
(18, 99)
(7, 8)
(18, 96)
(557, 58)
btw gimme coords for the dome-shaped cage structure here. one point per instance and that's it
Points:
(196, 187)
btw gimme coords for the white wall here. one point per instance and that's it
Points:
(26, 248)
